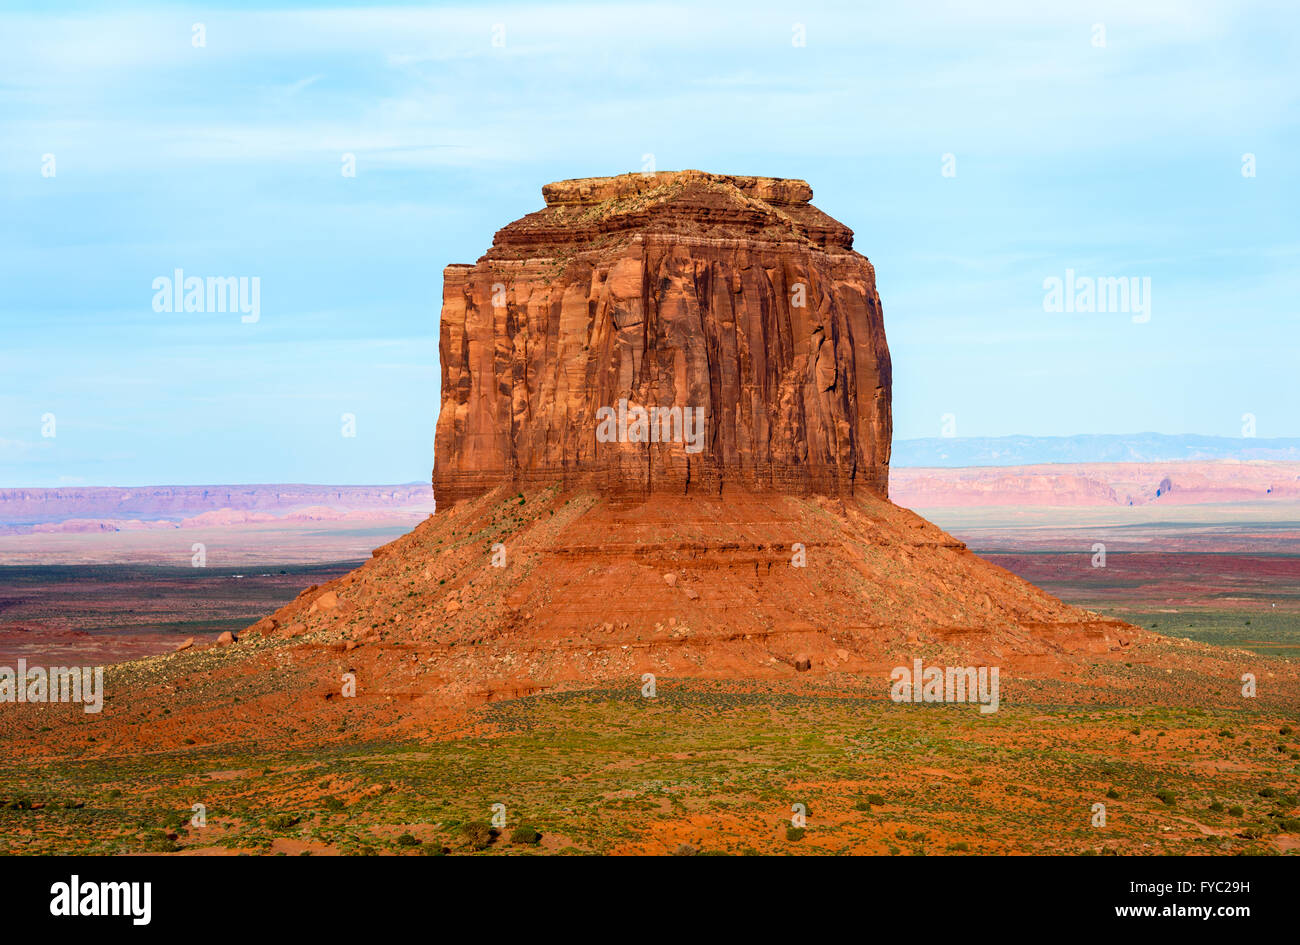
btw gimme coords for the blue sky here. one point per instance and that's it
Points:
(225, 160)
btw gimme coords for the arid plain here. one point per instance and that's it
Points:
(1182, 762)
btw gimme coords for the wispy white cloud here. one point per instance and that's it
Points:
(426, 87)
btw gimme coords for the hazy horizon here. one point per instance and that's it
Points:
(911, 448)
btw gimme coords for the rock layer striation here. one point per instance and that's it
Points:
(732, 296)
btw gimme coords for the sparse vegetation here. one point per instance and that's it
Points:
(702, 750)
(525, 835)
(477, 835)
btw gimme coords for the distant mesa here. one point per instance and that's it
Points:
(950, 452)
(86, 509)
(1097, 484)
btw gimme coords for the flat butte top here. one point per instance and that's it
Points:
(596, 213)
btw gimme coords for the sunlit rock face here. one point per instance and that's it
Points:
(680, 332)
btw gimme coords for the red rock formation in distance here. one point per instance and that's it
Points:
(732, 296)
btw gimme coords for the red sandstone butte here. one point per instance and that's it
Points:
(729, 294)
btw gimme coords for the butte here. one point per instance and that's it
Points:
(768, 556)
(560, 558)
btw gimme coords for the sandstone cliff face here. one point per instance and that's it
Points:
(730, 295)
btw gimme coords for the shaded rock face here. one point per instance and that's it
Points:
(731, 296)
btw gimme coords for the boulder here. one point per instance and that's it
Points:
(327, 601)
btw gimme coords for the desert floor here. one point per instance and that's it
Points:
(716, 767)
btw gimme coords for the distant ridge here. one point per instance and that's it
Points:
(1087, 448)
(34, 507)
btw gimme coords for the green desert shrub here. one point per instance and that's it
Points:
(159, 841)
(478, 835)
(525, 834)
